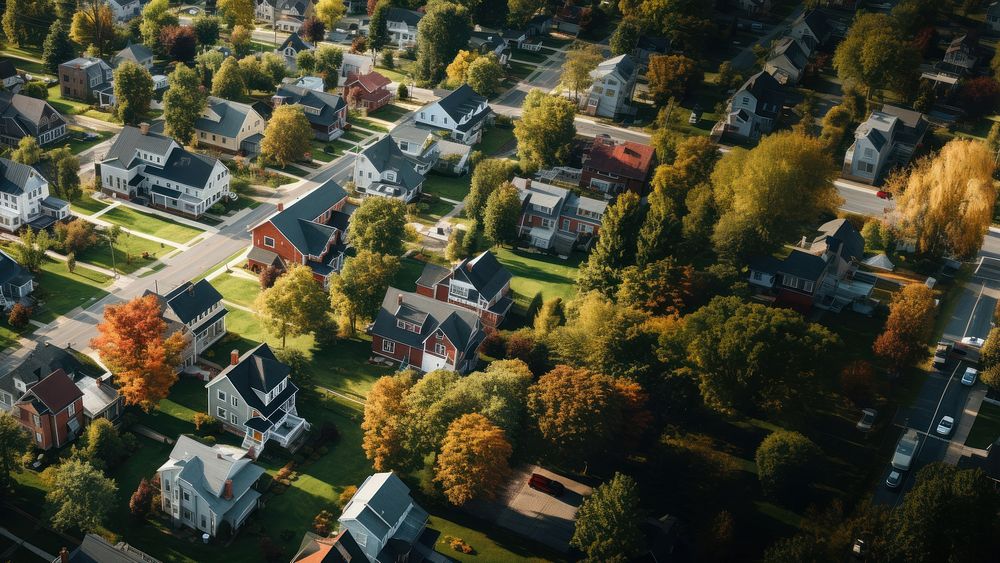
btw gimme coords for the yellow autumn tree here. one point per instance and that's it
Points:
(473, 462)
(385, 421)
(947, 200)
(459, 68)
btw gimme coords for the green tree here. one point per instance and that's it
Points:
(687, 23)
(273, 66)
(359, 289)
(672, 76)
(876, 56)
(57, 48)
(660, 229)
(501, 216)
(30, 251)
(487, 177)
(545, 131)
(330, 12)
(206, 29)
(626, 37)
(14, 443)
(550, 316)
(237, 12)
(240, 39)
(155, 16)
(787, 463)
(328, 61)
(581, 59)
(378, 30)
(379, 226)
(183, 103)
(27, 151)
(81, 496)
(608, 522)
(520, 11)
(485, 75)
(228, 81)
(305, 61)
(616, 246)
(67, 173)
(103, 446)
(442, 32)
(133, 92)
(294, 305)
(94, 26)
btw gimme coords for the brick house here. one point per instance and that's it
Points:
(556, 218)
(370, 91)
(52, 411)
(480, 284)
(86, 78)
(613, 168)
(426, 334)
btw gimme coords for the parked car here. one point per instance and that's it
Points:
(905, 450)
(546, 485)
(882, 194)
(867, 420)
(941, 354)
(944, 427)
(969, 378)
(973, 342)
(893, 480)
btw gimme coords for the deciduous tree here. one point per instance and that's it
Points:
(616, 246)
(81, 496)
(911, 315)
(378, 27)
(361, 285)
(183, 103)
(330, 12)
(520, 11)
(626, 37)
(473, 462)
(237, 12)
(30, 250)
(581, 59)
(179, 42)
(378, 226)
(660, 288)
(239, 39)
(386, 421)
(485, 75)
(875, 55)
(27, 151)
(103, 446)
(458, 69)
(94, 26)
(328, 61)
(155, 16)
(545, 131)
(80, 235)
(979, 96)
(14, 443)
(608, 522)
(294, 305)
(487, 177)
(313, 30)
(287, 135)
(206, 29)
(672, 76)
(133, 92)
(140, 504)
(441, 33)
(550, 316)
(787, 463)
(501, 216)
(661, 229)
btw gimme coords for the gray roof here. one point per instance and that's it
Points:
(192, 299)
(844, 232)
(380, 503)
(461, 102)
(803, 265)
(130, 139)
(484, 272)
(180, 165)
(386, 156)
(27, 115)
(224, 117)
(96, 549)
(327, 104)
(624, 65)
(135, 52)
(14, 176)
(297, 222)
(767, 91)
(11, 272)
(409, 17)
(40, 362)
(816, 21)
(188, 168)
(207, 468)
(295, 41)
(461, 326)
(259, 370)
(432, 274)
(789, 47)
(410, 133)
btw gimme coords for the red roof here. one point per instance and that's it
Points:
(628, 159)
(56, 391)
(370, 82)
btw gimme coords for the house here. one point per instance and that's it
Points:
(962, 54)
(556, 218)
(610, 94)
(207, 487)
(327, 113)
(812, 30)
(51, 411)
(96, 549)
(314, 83)
(230, 127)
(382, 170)
(993, 17)
(367, 91)
(755, 7)
(821, 273)
(888, 138)
(419, 145)
(292, 46)
(195, 310)
(125, 10)
(339, 549)
(311, 231)
(356, 64)
(570, 19)
(9, 75)
(612, 168)
(25, 198)
(16, 284)
(88, 79)
(253, 397)
(539, 24)
(453, 158)
(787, 62)
(462, 112)
(486, 42)
(356, 6)
(648, 46)
(402, 26)
(284, 15)
(425, 334)
(24, 116)
(383, 519)
(154, 169)
(135, 52)
(753, 109)
(480, 284)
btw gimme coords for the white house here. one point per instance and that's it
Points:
(135, 52)
(993, 17)
(355, 63)
(753, 109)
(811, 30)
(382, 170)
(203, 486)
(152, 168)
(196, 311)
(787, 62)
(610, 94)
(419, 145)
(383, 519)
(25, 199)
(889, 137)
(463, 113)
(284, 15)
(125, 10)
(291, 47)
(402, 26)
(962, 53)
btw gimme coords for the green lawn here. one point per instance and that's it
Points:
(433, 212)
(87, 205)
(520, 71)
(390, 112)
(496, 139)
(409, 270)
(151, 224)
(174, 415)
(9, 336)
(555, 42)
(237, 289)
(28, 64)
(393, 75)
(65, 105)
(496, 545)
(986, 429)
(529, 56)
(296, 171)
(319, 154)
(535, 273)
(368, 124)
(78, 144)
(59, 291)
(451, 187)
(128, 253)
(355, 136)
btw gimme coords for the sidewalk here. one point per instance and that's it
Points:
(957, 447)
(140, 234)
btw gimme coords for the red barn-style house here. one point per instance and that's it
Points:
(367, 91)
(311, 230)
(480, 284)
(556, 218)
(613, 168)
(426, 334)
(52, 411)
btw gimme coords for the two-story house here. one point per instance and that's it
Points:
(419, 145)
(462, 112)
(962, 54)
(610, 93)
(382, 170)
(195, 310)
(753, 110)
(612, 168)
(208, 488)
(402, 26)
(993, 17)
(367, 92)
(24, 116)
(888, 138)
(486, 42)
(16, 283)
(124, 10)
(355, 64)
(154, 169)
(25, 199)
(383, 519)
(425, 334)
(254, 398)
(556, 218)
(94, 548)
(787, 62)
(327, 113)
(570, 18)
(86, 78)
(284, 15)
(481, 284)
(230, 127)
(291, 47)
(311, 231)
(51, 411)
(812, 30)
(9, 76)
(136, 53)
(821, 273)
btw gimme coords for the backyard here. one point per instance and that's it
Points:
(497, 139)
(539, 273)
(237, 289)
(390, 112)
(450, 187)
(87, 205)
(151, 224)
(60, 291)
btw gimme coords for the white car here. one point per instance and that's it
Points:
(973, 341)
(970, 376)
(945, 426)
(893, 480)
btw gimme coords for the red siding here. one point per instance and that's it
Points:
(53, 428)
(631, 184)
(425, 291)
(450, 350)
(282, 247)
(441, 292)
(414, 356)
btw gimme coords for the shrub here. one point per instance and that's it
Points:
(140, 504)
(402, 92)
(204, 422)
(346, 495)
(494, 345)
(786, 463)
(19, 316)
(387, 59)
(459, 545)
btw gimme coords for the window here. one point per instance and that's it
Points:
(440, 349)
(388, 346)
(38, 437)
(866, 167)
(221, 395)
(166, 486)
(187, 513)
(758, 276)
(807, 286)
(5, 398)
(235, 401)
(458, 291)
(204, 523)
(869, 154)
(38, 421)
(233, 419)
(269, 242)
(187, 495)
(221, 412)
(72, 409)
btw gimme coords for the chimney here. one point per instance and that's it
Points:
(64, 555)
(144, 128)
(399, 299)
(191, 289)
(281, 206)
(234, 357)
(227, 491)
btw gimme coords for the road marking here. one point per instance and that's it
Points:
(975, 306)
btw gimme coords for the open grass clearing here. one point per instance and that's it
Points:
(87, 205)
(409, 271)
(539, 273)
(390, 112)
(529, 56)
(237, 289)
(520, 71)
(128, 253)
(60, 291)
(495, 139)
(151, 224)
(368, 124)
(451, 187)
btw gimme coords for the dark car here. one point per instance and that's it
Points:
(546, 485)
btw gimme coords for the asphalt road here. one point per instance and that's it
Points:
(861, 199)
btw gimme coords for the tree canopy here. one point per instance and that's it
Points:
(81, 496)
(787, 463)
(875, 55)
(545, 131)
(608, 522)
(133, 92)
(501, 216)
(294, 305)
(287, 136)
(473, 462)
(487, 177)
(361, 285)
(442, 32)
(183, 103)
(911, 316)
(379, 226)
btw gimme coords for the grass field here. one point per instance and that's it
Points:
(151, 224)
(529, 56)
(9, 336)
(390, 112)
(60, 291)
(237, 289)
(534, 273)
(434, 212)
(451, 187)
(496, 139)
(368, 124)
(520, 71)
(128, 253)
(87, 205)
(409, 270)
(986, 429)
(77, 144)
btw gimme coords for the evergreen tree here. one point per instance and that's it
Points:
(183, 103)
(615, 248)
(57, 48)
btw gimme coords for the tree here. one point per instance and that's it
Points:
(608, 524)
(133, 92)
(66, 183)
(378, 30)
(206, 29)
(378, 226)
(294, 305)
(989, 355)
(330, 12)
(179, 42)
(485, 75)
(19, 316)
(766, 195)
(835, 124)
(14, 443)
(501, 216)
(402, 92)
(979, 96)
(660, 288)
(80, 236)
(487, 177)
(908, 327)
(71, 262)
(473, 462)
(273, 67)
(313, 30)
(94, 26)
(520, 11)
(441, 33)
(786, 463)
(581, 59)
(857, 381)
(615, 248)
(27, 151)
(948, 199)
(545, 131)
(359, 289)
(268, 276)
(240, 38)
(385, 421)
(287, 135)
(81, 496)
(237, 12)
(305, 61)
(104, 448)
(133, 343)
(550, 316)
(750, 358)
(626, 37)
(458, 69)
(155, 16)
(254, 77)
(228, 81)
(183, 103)
(140, 504)
(672, 76)
(875, 55)
(328, 61)
(30, 251)
(57, 48)
(660, 230)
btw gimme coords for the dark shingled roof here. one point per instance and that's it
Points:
(192, 299)
(53, 393)
(432, 274)
(767, 91)
(484, 272)
(30, 115)
(459, 103)
(842, 231)
(460, 326)
(40, 362)
(327, 104)
(296, 43)
(96, 549)
(260, 370)
(816, 20)
(803, 265)
(188, 168)
(13, 176)
(296, 221)
(224, 117)
(385, 155)
(409, 17)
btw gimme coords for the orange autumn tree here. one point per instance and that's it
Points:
(473, 462)
(134, 346)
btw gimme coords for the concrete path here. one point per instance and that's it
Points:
(233, 265)
(62, 258)
(36, 551)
